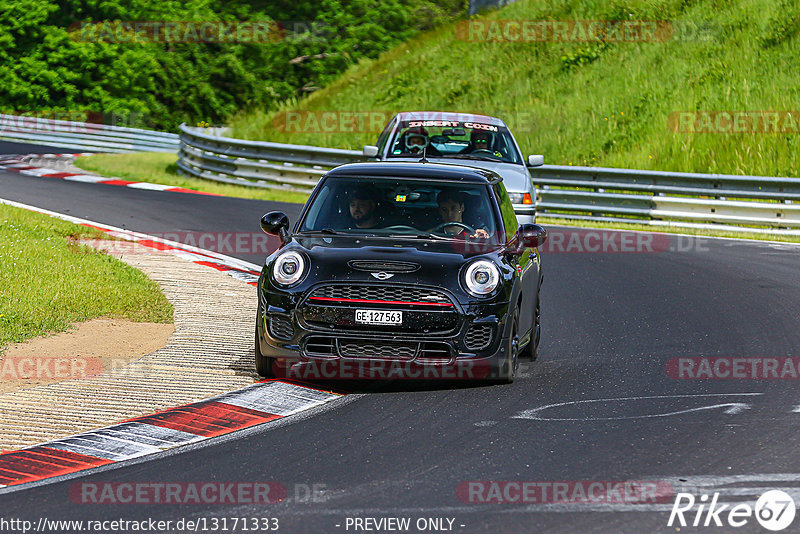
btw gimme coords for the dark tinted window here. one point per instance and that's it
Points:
(402, 207)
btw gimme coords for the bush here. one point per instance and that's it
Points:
(54, 65)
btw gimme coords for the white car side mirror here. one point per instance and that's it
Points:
(533, 161)
(370, 151)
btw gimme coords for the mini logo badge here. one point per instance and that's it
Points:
(382, 275)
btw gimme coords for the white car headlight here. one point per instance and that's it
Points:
(481, 277)
(288, 268)
(516, 198)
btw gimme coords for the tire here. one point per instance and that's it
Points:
(531, 350)
(510, 372)
(264, 364)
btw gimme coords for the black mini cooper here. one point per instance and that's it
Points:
(400, 270)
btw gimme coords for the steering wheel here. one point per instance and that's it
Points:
(487, 152)
(440, 227)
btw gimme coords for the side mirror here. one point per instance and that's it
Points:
(535, 161)
(531, 235)
(370, 151)
(276, 223)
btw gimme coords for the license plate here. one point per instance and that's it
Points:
(379, 317)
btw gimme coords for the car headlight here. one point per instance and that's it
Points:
(288, 268)
(481, 277)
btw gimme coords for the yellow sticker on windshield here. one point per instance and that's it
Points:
(400, 198)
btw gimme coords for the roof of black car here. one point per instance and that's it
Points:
(432, 171)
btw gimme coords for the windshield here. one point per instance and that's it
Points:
(403, 208)
(454, 139)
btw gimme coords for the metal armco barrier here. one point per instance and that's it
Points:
(681, 199)
(566, 192)
(256, 163)
(476, 6)
(85, 136)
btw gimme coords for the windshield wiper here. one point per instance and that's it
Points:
(326, 231)
(421, 236)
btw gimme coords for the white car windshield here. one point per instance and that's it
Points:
(453, 139)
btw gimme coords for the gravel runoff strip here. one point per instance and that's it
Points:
(210, 352)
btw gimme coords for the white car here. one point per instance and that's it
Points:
(474, 140)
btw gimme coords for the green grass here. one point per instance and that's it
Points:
(48, 281)
(598, 104)
(161, 168)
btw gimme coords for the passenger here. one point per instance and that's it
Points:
(451, 209)
(416, 142)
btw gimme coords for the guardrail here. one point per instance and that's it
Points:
(659, 198)
(85, 136)
(256, 163)
(590, 193)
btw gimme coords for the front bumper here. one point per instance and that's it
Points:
(526, 213)
(471, 337)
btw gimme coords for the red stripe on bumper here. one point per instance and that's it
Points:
(366, 301)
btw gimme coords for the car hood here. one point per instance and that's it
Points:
(515, 177)
(331, 259)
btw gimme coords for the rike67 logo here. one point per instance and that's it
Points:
(774, 510)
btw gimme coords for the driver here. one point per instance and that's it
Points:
(481, 140)
(451, 209)
(362, 203)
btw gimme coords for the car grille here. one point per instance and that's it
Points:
(280, 327)
(478, 337)
(426, 351)
(381, 293)
(382, 350)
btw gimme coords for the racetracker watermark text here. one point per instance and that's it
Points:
(49, 368)
(587, 241)
(559, 241)
(163, 31)
(582, 31)
(734, 368)
(222, 242)
(354, 369)
(169, 526)
(565, 492)
(735, 122)
(374, 121)
(67, 121)
(177, 492)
